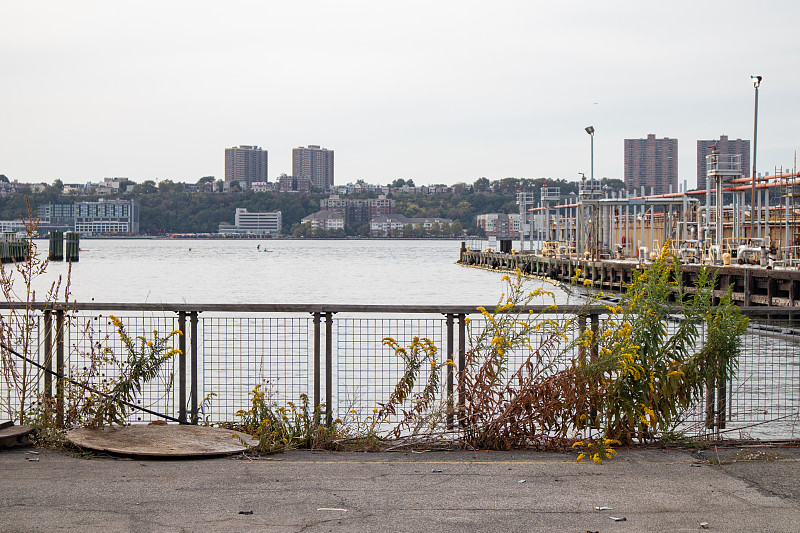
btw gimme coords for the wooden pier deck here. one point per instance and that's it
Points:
(752, 285)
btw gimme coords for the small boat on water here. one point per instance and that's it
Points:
(192, 251)
(258, 249)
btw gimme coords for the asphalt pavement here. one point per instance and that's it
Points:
(726, 489)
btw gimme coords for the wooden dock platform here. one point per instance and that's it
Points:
(752, 285)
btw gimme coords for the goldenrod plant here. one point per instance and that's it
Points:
(107, 390)
(420, 354)
(143, 361)
(546, 379)
(19, 327)
(621, 381)
(278, 427)
(650, 372)
(596, 450)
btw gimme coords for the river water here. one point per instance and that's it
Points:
(393, 272)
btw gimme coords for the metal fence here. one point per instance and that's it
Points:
(337, 357)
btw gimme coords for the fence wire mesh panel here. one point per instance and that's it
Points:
(764, 398)
(239, 349)
(20, 381)
(692, 420)
(239, 353)
(95, 354)
(366, 371)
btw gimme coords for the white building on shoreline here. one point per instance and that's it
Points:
(255, 223)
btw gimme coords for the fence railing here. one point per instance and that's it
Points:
(336, 356)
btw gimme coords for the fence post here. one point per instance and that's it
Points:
(182, 366)
(316, 356)
(60, 367)
(193, 320)
(449, 369)
(462, 360)
(710, 389)
(48, 353)
(595, 321)
(329, 368)
(581, 329)
(721, 407)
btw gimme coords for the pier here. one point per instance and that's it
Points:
(745, 230)
(752, 285)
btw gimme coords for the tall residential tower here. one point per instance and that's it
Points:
(651, 163)
(313, 163)
(725, 147)
(245, 163)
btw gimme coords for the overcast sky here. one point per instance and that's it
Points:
(437, 92)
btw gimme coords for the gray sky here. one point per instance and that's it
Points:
(439, 92)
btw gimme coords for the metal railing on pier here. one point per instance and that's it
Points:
(335, 354)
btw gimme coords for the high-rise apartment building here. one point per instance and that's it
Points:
(245, 164)
(651, 163)
(314, 163)
(725, 146)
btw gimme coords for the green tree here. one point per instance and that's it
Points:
(481, 185)
(146, 187)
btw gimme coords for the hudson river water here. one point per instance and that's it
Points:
(396, 272)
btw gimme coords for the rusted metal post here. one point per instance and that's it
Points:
(317, 399)
(48, 353)
(721, 405)
(60, 367)
(450, 353)
(462, 360)
(329, 368)
(193, 321)
(182, 366)
(595, 320)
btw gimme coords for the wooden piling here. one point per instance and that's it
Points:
(73, 246)
(56, 252)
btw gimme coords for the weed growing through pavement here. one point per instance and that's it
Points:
(277, 428)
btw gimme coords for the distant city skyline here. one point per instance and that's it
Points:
(468, 90)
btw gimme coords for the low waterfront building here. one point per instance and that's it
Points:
(325, 220)
(501, 225)
(397, 225)
(104, 217)
(358, 211)
(256, 223)
(107, 217)
(17, 227)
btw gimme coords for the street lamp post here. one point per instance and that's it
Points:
(756, 83)
(590, 131)
(595, 237)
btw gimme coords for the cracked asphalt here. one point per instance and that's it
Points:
(670, 490)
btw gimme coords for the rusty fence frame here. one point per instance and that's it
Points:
(188, 391)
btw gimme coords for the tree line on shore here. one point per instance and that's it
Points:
(164, 210)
